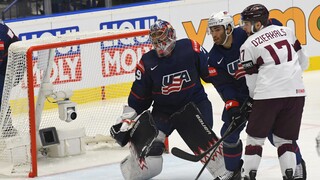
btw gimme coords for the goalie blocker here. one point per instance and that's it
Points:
(198, 136)
(144, 160)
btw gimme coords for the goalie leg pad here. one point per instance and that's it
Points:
(138, 169)
(189, 119)
(157, 147)
(143, 133)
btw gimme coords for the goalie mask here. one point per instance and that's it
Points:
(222, 18)
(163, 37)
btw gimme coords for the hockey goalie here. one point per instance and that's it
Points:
(168, 78)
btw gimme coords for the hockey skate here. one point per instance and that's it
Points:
(252, 175)
(231, 175)
(301, 172)
(289, 175)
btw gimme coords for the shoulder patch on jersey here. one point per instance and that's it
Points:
(140, 66)
(195, 46)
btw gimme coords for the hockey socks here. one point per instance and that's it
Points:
(232, 155)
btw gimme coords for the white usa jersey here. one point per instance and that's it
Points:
(280, 61)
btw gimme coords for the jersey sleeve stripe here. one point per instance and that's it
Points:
(195, 46)
(1, 45)
(136, 96)
(140, 66)
(297, 45)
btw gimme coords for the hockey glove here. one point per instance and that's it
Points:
(234, 112)
(121, 130)
(247, 108)
(240, 72)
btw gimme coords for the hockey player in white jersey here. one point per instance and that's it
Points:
(273, 60)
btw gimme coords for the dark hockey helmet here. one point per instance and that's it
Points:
(163, 37)
(255, 13)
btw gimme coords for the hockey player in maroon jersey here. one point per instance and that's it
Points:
(273, 60)
(7, 37)
(168, 78)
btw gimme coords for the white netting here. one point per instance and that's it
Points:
(99, 72)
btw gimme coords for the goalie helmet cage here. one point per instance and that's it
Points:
(98, 67)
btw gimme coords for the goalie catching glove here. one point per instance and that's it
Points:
(121, 130)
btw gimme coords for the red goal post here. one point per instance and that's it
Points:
(97, 67)
(30, 51)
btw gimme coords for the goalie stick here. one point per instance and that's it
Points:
(195, 158)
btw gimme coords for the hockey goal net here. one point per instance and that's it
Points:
(83, 78)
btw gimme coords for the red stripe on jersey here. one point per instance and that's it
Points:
(188, 87)
(136, 96)
(297, 45)
(140, 66)
(260, 61)
(195, 46)
(1, 45)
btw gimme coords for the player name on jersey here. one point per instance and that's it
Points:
(268, 36)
